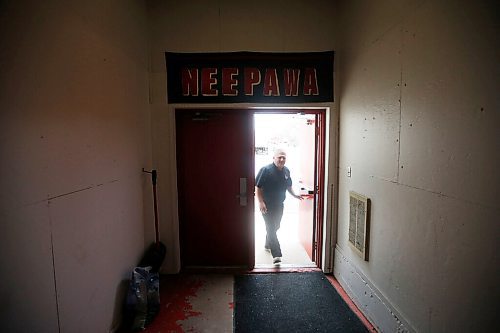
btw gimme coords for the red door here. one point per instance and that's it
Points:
(215, 186)
(312, 170)
(308, 165)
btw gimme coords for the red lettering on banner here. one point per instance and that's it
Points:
(310, 82)
(229, 83)
(291, 81)
(208, 81)
(189, 81)
(271, 86)
(252, 78)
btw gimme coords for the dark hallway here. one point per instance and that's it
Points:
(410, 93)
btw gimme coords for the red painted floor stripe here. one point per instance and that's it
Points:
(350, 303)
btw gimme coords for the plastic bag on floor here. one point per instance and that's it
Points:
(153, 288)
(143, 298)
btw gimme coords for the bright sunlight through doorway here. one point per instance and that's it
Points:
(291, 132)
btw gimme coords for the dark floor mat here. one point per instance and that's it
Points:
(291, 302)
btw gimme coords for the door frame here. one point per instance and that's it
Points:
(320, 168)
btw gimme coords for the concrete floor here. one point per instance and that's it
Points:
(294, 254)
(204, 303)
(195, 303)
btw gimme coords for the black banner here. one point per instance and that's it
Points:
(249, 77)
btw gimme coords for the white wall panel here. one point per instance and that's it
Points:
(425, 250)
(433, 258)
(450, 103)
(93, 257)
(27, 286)
(370, 131)
(227, 26)
(73, 139)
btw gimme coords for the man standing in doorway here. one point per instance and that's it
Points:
(271, 185)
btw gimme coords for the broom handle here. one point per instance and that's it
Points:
(157, 231)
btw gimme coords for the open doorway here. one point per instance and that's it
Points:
(297, 134)
(216, 205)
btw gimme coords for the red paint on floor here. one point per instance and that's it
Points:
(177, 291)
(175, 295)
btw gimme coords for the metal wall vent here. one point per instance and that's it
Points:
(359, 223)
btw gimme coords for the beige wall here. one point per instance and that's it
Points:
(224, 26)
(419, 128)
(74, 135)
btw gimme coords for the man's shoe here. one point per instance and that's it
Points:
(276, 260)
(268, 249)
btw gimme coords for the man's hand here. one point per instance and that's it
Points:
(262, 207)
(292, 192)
(260, 197)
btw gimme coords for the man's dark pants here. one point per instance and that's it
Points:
(273, 221)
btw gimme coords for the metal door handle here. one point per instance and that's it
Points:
(243, 192)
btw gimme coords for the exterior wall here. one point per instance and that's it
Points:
(419, 128)
(224, 26)
(74, 127)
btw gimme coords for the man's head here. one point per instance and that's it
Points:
(279, 158)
